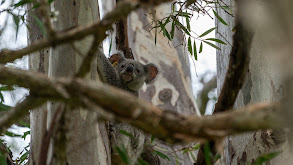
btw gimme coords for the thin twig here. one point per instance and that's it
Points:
(20, 110)
(48, 134)
(87, 60)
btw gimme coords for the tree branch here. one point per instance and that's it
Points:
(87, 61)
(165, 125)
(98, 28)
(238, 67)
(202, 97)
(20, 110)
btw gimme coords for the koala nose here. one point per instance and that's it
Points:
(129, 69)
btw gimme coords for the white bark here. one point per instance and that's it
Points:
(171, 90)
(262, 83)
(38, 62)
(84, 143)
(107, 6)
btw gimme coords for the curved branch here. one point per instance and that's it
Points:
(238, 66)
(20, 110)
(99, 28)
(202, 97)
(168, 126)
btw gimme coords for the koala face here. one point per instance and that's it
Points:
(133, 74)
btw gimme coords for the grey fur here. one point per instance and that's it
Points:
(129, 75)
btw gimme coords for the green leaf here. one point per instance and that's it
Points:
(161, 25)
(160, 154)
(12, 134)
(1, 97)
(200, 47)
(173, 7)
(40, 24)
(165, 32)
(234, 29)
(207, 32)
(217, 40)
(227, 8)
(185, 151)
(192, 155)
(196, 147)
(2, 159)
(184, 14)
(152, 139)
(172, 29)
(156, 36)
(123, 154)
(194, 51)
(207, 154)
(181, 26)
(140, 161)
(167, 21)
(187, 23)
(126, 133)
(16, 22)
(21, 3)
(6, 88)
(220, 18)
(50, 1)
(24, 124)
(36, 5)
(25, 134)
(24, 157)
(189, 46)
(162, 149)
(211, 44)
(4, 107)
(110, 47)
(264, 158)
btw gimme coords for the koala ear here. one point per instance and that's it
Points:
(116, 58)
(151, 72)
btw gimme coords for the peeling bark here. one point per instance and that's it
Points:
(38, 62)
(172, 88)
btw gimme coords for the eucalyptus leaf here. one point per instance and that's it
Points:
(194, 50)
(211, 44)
(220, 18)
(200, 47)
(160, 154)
(207, 32)
(216, 40)
(189, 46)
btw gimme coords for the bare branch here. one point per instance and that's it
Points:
(238, 66)
(48, 134)
(87, 61)
(237, 69)
(20, 110)
(98, 28)
(168, 126)
(202, 97)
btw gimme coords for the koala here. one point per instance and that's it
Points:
(128, 75)
(132, 74)
(124, 73)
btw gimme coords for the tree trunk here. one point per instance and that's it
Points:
(262, 84)
(38, 62)
(78, 139)
(172, 88)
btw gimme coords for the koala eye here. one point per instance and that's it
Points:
(123, 65)
(137, 70)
